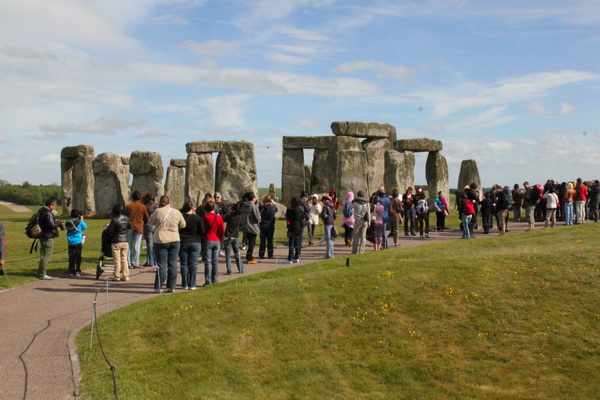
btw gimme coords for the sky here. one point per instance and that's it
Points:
(513, 84)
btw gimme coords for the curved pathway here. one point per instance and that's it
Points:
(38, 321)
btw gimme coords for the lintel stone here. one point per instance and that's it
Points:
(306, 142)
(178, 162)
(363, 129)
(204, 146)
(418, 145)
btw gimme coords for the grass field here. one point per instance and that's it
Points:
(513, 317)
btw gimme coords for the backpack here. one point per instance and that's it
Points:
(422, 206)
(539, 191)
(347, 211)
(70, 225)
(33, 229)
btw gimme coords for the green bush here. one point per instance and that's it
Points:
(28, 194)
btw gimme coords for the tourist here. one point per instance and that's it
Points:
(409, 202)
(487, 213)
(295, 216)
(474, 194)
(468, 209)
(250, 217)
(334, 199)
(441, 211)
(384, 200)
(502, 204)
(581, 194)
(49, 226)
(422, 211)
(377, 225)
(117, 231)
(313, 217)
(190, 245)
(304, 203)
(594, 200)
(552, 203)
(569, 198)
(362, 219)
(167, 221)
(348, 219)
(231, 238)
(328, 215)
(75, 238)
(138, 216)
(215, 231)
(517, 197)
(530, 200)
(2, 247)
(267, 210)
(395, 215)
(151, 206)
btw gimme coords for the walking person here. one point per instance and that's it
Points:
(214, 231)
(167, 221)
(151, 206)
(422, 210)
(362, 219)
(267, 210)
(552, 204)
(231, 239)
(328, 215)
(487, 213)
(581, 193)
(117, 230)
(250, 217)
(138, 216)
(377, 224)
(348, 219)
(313, 217)
(49, 226)
(467, 213)
(409, 202)
(75, 237)
(441, 211)
(191, 244)
(384, 200)
(395, 215)
(295, 215)
(569, 198)
(517, 196)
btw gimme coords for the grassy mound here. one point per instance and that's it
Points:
(510, 317)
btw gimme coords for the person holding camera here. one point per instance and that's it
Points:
(49, 225)
(75, 239)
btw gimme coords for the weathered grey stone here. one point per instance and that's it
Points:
(399, 170)
(351, 171)
(178, 162)
(375, 152)
(125, 160)
(418, 145)
(436, 173)
(363, 129)
(308, 177)
(292, 174)
(340, 143)
(306, 142)
(148, 172)
(469, 173)
(204, 146)
(111, 183)
(272, 192)
(323, 171)
(77, 179)
(175, 185)
(236, 171)
(199, 176)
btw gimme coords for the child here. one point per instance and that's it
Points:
(231, 238)
(75, 238)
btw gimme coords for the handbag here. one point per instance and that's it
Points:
(334, 232)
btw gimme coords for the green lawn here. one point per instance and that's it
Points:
(514, 317)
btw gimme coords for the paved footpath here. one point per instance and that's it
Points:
(39, 321)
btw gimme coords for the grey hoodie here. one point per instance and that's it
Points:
(250, 218)
(362, 210)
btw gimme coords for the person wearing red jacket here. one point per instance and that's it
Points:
(214, 231)
(467, 214)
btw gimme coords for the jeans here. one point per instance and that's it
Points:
(166, 258)
(46, 248)
(517, 213)
(135, 241)
(266, 240)
(148, 236)
(311, 232)
(232, 244)
(188, 261)
(488, 222)
(409, 218)
(251, 242)
(329, 241)
(75, 258)
(384, 236)
(569, 213)
(423, 223)
(211, 266)
(295, 248)
(466, 220)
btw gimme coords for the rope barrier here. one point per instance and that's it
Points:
(113, 368)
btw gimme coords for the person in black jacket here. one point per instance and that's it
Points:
(295, 216)
(232, 237)
(267, 226)
(49, 226)
(191, 244)
(117, 229)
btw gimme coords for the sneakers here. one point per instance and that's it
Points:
(170, 290)
(296, 261)
(288, 262)
(45, 278)
(184, 288)
(158, 290)
(244, 247)
(193, 288)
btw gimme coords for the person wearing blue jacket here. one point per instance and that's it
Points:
(75, 238)
(385, 202)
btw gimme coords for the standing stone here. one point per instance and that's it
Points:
(199, 176)
(323, 171)
(469, 173)
(399, 170)
(175, 183)
(436, 173)
(111, 184)
(292, 174)
(77, 179)
(375, 152)
(351, 171)
(236, 171)
(272, 192)
(147, 170)
(308, 178)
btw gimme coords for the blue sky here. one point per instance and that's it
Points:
(511, 84)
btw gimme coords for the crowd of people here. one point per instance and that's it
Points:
(176, 239)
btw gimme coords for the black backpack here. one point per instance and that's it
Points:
(33, 229)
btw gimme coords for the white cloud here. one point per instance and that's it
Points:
(214, 47)
(287, 59)
(381, 69)
(50, 159)
(107, 124)
(539, 111)
(566, 109)
(226, 111)
(4, 138)
(154, 134)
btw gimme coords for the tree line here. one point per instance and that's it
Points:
(28, 194)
